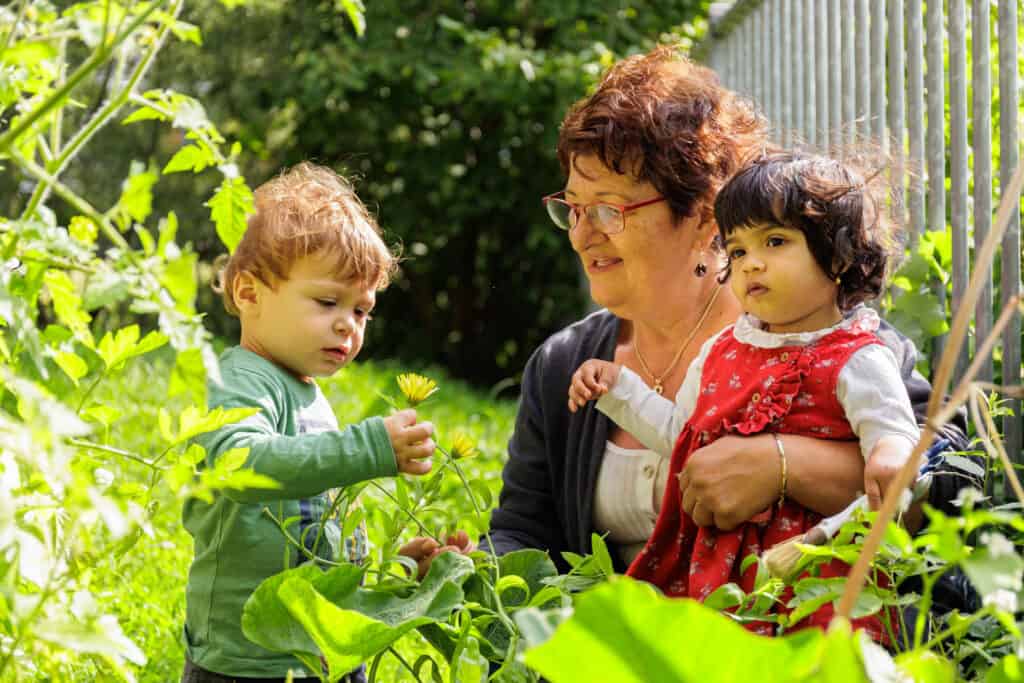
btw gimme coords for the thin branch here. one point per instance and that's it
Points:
(101, 118)
(89, 445)
(101, 55)
(989, 436)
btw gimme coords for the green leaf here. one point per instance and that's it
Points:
(1009, 669)
(589, 645)
(725, 596)
(117, 348)
(924, 665)
(179, 277)
(83, 230)
(233, 459)
(72, 364)
(68, 305)
(143, 114)
(189, 375)
(136, 201)
(267, 622)
(190, 158)
(168, 230)
(229, 207)
(471, 666)
(601, 555)
(355, 11)
(104, 636)
(192, 422)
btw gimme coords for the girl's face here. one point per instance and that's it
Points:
(776, 278)
(635, 272)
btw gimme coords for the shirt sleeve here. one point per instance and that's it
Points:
(876, 403)
(654, 420)
(303, 465)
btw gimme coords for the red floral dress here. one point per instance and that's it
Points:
(745, 390)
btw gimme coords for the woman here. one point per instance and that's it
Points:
(645, 156)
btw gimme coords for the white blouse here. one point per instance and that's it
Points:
(869, 388)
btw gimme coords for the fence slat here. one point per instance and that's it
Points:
(821, 76)
(810, 78)
(849, 86)
(896, 97)
(789, 84)
(981, 91)
(778, 87)
(1010, 281)
(915, 115)
(878, 70)
(958, 157)
(936, 140)
(862, 37)
(797, 58)
(835, 70)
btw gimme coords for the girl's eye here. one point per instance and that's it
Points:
(776, 241)
(735, 254)
(327, 303)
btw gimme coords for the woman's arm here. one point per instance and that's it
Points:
(732, 479)
(526, 505)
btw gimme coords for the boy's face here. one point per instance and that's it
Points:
(312, 324)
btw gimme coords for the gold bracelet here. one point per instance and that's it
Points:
(782, 460)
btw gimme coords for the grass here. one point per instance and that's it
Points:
(145, 586)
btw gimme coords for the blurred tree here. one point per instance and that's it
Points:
(446, 114)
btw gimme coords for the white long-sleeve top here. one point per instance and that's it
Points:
(631, 483)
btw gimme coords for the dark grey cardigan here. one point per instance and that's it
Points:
(547, 497)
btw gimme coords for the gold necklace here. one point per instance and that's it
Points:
(657, 379)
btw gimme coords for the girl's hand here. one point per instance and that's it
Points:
(411, 441)
(592, 380)
(885, 461)
(424, 549)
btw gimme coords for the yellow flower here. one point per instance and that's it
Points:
(463, 447)
(416, 388)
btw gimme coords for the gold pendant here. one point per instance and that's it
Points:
(658, 389)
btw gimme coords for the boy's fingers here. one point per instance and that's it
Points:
(418, 432)
(406, 417)
(416, 466)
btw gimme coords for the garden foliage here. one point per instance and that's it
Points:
(95, 440)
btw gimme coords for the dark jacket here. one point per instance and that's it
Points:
(547, 497)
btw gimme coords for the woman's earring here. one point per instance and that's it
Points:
(701, 270)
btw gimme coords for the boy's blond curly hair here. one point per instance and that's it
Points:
(308, 209)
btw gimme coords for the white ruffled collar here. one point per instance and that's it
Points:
(748, 329)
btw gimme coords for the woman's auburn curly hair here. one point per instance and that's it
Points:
(663, 119)
(308, 209)
(835, 205)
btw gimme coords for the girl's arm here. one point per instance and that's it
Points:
(654, 420)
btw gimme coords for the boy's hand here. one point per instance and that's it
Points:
(885, 461)
(592, 380)
(424, 549)
(411, 441)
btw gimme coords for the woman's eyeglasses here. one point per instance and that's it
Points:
(606, 218)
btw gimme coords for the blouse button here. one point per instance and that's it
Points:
(785, 356)
(649, 471)
(756, 397)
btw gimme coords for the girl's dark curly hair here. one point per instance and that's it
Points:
(833, 204)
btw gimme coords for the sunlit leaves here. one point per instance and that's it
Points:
(229, 207)
(67, 304)
(116, 348)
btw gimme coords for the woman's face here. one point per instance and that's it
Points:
(634, 271)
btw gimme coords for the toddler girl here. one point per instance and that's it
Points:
(806, 246)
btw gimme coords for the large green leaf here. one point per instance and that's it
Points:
(682, 640)
(229, 207)
(267, 622)
(305, 611)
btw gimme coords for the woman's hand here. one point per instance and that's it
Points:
(424, 549)
(730, 480)
(735, 477)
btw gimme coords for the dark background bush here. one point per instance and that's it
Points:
(444, 113)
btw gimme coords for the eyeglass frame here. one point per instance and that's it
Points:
(581, 209)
